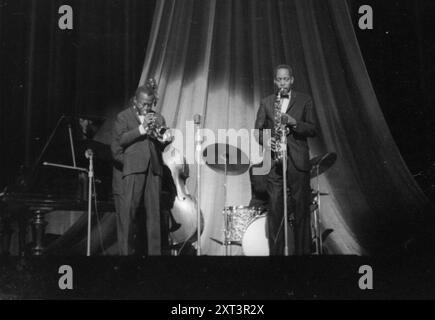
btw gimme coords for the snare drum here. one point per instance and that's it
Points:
(238, 220)
(254, 240)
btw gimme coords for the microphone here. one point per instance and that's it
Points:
(284, 93)
(89, 153)
(197, 118)
(197, 121)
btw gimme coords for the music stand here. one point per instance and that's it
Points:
(90, 171)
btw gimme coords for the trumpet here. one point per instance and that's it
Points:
(155, 128)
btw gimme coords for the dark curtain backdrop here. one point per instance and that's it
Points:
(46, 72)
(216, 58)
(398, 54)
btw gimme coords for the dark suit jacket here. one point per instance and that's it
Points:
(300, 108)
(134, 152)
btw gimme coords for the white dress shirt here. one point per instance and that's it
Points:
(285, 102)
(141, 128)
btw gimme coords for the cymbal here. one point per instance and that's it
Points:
(326, 233)
(237, 243)
(314, 193)
(322, 163)
(222, 158)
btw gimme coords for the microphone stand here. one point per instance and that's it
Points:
(89, 155)
(198, 182)
(318, 236)
(283, 151)
(284, 181)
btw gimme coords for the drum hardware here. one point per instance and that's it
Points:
(217, 241)
(229, 160)
(177, 249)
(319, 165)
(314, 194)
(234, 243)
(227, 242)
(198, 142)
(246, 227)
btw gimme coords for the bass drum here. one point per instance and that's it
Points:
(254, 241)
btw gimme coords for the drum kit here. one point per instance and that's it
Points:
(246, 226)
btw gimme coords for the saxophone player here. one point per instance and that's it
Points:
(296, 110)
(137, 152)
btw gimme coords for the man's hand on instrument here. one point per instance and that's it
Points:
(273, 143)
(143, 128)
(166, 137)
(289, 119)
(149, 117)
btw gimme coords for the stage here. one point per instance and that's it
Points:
(218, 278)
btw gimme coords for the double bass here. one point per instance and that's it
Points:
(183, 212)
(183, 219)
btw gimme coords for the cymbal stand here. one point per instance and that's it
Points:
(198, 141)
(316, 217)
(227, 218)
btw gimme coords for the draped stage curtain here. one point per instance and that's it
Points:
(89, 72)
(46, 72)
(216, 58)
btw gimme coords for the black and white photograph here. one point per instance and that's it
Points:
(217, 150)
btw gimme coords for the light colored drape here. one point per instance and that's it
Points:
(215, 58)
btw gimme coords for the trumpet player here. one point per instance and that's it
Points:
(137, 144)
(296, 109)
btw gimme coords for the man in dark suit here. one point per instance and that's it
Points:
(138, 153)
(297, 110)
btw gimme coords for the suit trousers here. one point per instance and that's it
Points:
(298, 205)
(132, 223)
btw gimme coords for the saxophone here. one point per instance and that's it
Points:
(277, 152)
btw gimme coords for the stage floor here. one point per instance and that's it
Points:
(218, 278)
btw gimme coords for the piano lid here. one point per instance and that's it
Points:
(70, 133)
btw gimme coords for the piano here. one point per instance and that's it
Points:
(42, 189)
